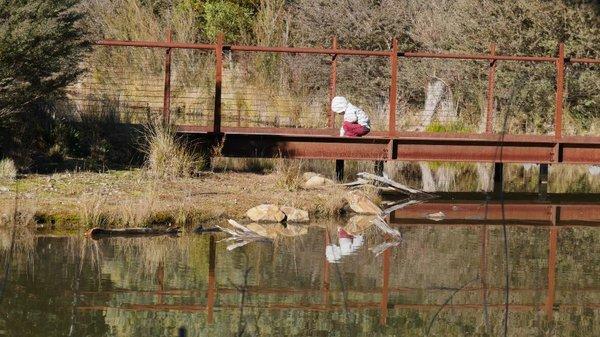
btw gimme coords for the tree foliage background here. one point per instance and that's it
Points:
(42, 42)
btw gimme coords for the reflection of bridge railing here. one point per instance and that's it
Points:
(477, 213)
(326, 305)
(390, 144)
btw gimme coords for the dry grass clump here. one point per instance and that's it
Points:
(167, 157)
(289, 173)
(327, 205)
(8, 169)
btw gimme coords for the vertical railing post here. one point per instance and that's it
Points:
(489, 123)
(167, 87)
(211, 292)
(393, 87)
(385, 286)
(325, 281)
(332, 84)
(560, 86)
(550, 295)
(218, 83)
(483, 267)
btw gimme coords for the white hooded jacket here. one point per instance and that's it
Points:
(352, 114)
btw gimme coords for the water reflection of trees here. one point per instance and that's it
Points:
(140, 287)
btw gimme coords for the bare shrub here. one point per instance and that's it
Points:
(289, 173)
(8, 169)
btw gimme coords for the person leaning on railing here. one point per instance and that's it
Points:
(356, 121)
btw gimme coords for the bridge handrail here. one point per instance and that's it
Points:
(393, 54)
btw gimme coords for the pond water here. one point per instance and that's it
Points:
(445, 277)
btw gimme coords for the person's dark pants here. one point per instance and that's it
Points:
(354, 130)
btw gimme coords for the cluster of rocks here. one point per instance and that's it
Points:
(357, 201)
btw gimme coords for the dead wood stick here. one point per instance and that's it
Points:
(394, 184)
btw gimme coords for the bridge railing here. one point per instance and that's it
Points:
(216, 106)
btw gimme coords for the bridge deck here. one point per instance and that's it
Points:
(405, 146)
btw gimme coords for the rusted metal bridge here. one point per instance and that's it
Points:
(391, 144)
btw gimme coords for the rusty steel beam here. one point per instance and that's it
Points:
(476, 57)
(155, 44)
(322, 51)
(584, 60)
(297, 146)
(405, 146)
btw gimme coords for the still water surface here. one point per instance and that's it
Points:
(446, 277)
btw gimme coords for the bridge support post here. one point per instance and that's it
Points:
(167, 87)
(489, 120)
(339, 170)
(332, 84)
(498, 177)
(543, 182)
(218, 83)
(379, 167)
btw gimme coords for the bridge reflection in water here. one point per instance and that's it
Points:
(483, 217)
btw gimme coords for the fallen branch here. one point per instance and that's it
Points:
(396, 185)
(98, 233)
(357, 182)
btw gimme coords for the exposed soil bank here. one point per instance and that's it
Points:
(132, 198)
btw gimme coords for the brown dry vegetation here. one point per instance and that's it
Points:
(131, 198)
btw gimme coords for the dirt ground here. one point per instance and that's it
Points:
(132, 198)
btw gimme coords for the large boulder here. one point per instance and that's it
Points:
(361, 204)
(265, 213)
(318, 181)
(294, 214)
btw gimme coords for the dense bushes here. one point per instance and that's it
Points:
(42, 44)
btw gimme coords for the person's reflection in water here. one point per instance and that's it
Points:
(348, 244)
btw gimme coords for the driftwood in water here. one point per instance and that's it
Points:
(98, 233)
(394, 236)
(385, 228)
(394, 184)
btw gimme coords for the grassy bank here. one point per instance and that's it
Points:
(133, 198)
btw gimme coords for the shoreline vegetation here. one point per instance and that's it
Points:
(72, 201)
(132, 198)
